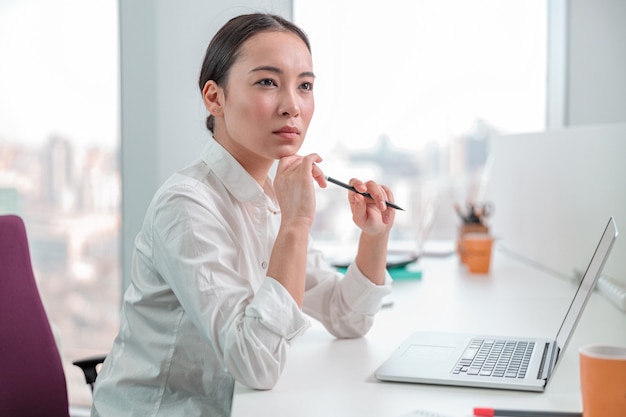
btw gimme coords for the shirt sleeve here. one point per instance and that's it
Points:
(345, 305)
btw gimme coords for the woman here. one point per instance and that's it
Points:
(223, 270)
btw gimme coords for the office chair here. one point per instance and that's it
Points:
(32, 381)
(89, 367)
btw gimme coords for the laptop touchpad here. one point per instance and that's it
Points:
(429, 352)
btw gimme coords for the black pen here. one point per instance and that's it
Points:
(354, 190)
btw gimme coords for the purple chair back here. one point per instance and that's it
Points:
(32, 382)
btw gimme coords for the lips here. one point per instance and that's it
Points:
(288, 130)
(290, 133)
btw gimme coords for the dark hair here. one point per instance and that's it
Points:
(223, 50)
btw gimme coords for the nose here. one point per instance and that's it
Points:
(289, 105)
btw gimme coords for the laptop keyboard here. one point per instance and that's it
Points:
(498, 358)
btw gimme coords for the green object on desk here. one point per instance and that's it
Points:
(397, 273)
(401, 273)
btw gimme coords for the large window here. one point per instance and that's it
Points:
(59, 163)
(409, 93)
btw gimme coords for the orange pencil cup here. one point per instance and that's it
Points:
(603, 380)
(475, 252)
(469, 228)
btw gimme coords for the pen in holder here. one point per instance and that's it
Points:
(474, 242)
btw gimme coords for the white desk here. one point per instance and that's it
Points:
(325, 376)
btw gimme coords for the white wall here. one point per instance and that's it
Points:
(596, 57)
(162, 124)
(554, 192)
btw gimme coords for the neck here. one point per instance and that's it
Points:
(257, 167)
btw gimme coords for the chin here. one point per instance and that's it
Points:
(288, 150)
(282, 155)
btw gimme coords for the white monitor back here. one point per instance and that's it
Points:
(554, 192)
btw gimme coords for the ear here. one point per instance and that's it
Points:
(213, 97)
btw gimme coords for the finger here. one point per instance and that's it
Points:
(388, 214)
(355, 198)
(378, 194)
(287, 161)
(318, 176)
(358, 184)
(388, 194)
(358, 206)
(308, 162)
(313, 158)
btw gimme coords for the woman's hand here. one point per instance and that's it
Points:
(294, 187)
(373, 217)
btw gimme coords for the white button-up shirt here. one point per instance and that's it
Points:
(200, 311)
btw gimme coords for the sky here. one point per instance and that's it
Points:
(59, 71)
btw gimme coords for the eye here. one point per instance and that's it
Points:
(268, 82)
(308, 86)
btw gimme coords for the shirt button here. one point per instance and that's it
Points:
(263, 264)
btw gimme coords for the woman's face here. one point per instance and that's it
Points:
(267, 103)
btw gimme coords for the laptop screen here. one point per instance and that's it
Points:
(587, 284)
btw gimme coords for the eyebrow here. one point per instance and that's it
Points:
(279, 71)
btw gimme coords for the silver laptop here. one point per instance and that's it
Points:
(488, 361)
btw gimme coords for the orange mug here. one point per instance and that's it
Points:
(475, 252)
(603, 380)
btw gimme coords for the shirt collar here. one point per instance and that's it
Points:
(230, 173)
